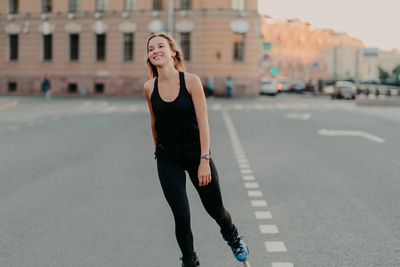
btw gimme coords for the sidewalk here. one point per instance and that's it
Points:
(378, 101)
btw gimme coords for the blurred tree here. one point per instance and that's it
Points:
(396, 72)
(383, 74)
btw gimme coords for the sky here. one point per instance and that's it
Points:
(376, 23)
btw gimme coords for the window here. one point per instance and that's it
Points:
(72, 88)
(239, 5)
(46, 6)
(12, 86)
(238, 46)
(128, 46)
(157, 5)
(129, 5)
(48, 47)
(13, 6)
(13, 46)
(100, 5)
(73, 6)
(186, 4)
(101, 47)
(185, 44)
(99, 88)
(74, 46)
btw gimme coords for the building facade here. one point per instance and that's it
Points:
(98, 47)
(297, 50)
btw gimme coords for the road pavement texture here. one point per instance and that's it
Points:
(309, 182)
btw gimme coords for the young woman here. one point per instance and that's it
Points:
(179, 124)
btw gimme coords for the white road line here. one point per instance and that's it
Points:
(255, 193)
(248, 178)
(282, 264)
(216, 107)
(238, 107)
(259, 203)
(352, 133)
(251, 185)
(275, 246)
(263, 215)
(269, 229)
(298, 116)
(244, 166)
(242, 161)
(246, 171)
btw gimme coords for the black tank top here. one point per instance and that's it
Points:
(175, 122)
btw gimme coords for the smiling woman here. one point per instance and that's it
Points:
(179, 124)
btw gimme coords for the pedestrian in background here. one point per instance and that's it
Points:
(210, 86)
(46, 86)
(180, 129)
(228, 86)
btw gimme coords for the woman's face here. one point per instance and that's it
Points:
(159, 51)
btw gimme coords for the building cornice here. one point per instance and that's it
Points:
(129, 15)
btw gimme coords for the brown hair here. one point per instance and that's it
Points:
(178, 58)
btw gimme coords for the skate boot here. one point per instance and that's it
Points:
(239, 249)
(192, 261)
(237, 245)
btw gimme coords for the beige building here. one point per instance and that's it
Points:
(98, 46)
(296, 49)
(388, 60)
(375, 59)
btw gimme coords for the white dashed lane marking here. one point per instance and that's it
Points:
(248, 178)
(251, 185)
(275, 246)
(253, 191)
(263, 215)
(259, 203)
(269, 229)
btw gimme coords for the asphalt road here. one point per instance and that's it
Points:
(308, 181)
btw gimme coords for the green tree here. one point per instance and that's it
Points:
(383, 74)
(396, 72)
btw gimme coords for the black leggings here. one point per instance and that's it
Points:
(173, 182)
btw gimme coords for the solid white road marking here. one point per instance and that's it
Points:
(352, 133)
(259, 203)
(269, 229)
(275, 246)
(263, 215)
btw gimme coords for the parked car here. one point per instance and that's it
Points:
(344, 89)
(269, 87)
(297, 86)
(284, 85)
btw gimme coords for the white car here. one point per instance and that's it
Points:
(269, 87)
(344, 89)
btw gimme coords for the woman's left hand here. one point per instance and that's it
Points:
(204, 173)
